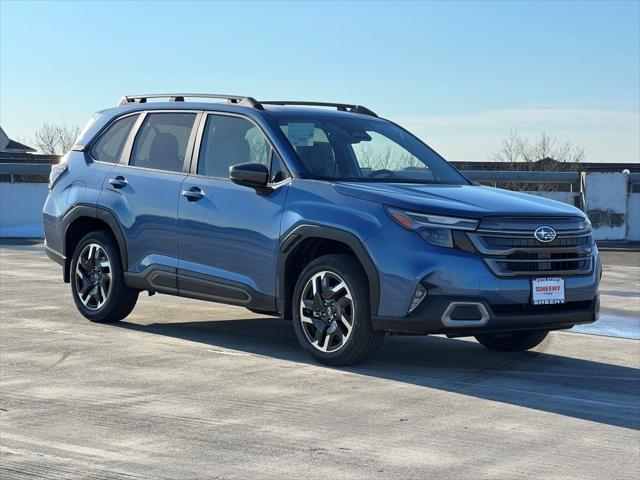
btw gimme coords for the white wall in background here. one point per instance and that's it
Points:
(21, 209)
(606, 200)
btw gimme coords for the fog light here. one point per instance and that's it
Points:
(420, 295)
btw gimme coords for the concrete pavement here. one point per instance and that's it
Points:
(188, 389)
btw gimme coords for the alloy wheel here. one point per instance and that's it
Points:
(93, 276)
(326, 311)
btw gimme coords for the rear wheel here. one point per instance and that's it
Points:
(97, 280)
(513, 341)
(331, 312)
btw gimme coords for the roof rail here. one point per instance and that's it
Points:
(344, 107)
(179, 97)
(242, 100)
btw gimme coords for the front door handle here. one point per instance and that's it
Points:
(193, 194)
(118, 182)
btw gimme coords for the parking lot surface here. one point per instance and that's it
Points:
(188, 389)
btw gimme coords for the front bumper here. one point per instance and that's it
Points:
(428, 318)
(452, 275)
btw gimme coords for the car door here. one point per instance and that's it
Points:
(143, 190)
(228, 234)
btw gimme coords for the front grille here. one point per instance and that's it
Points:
(532, 242)
(517, 253)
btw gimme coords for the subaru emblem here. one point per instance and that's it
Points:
(545, 234)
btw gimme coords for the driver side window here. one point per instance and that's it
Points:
(162, 141)
(228, 140)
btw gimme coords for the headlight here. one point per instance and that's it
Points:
(435, 229)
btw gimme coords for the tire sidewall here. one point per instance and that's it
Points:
(359, 295)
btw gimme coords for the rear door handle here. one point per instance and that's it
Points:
(118, 182)
(193, 194)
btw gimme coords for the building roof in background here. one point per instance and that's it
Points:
(13, 145)
(8, 145)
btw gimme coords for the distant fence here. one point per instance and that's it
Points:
(15, 171)
(609, 198)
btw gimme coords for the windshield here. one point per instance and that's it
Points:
(365, 149)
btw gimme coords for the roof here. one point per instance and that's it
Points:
(13, 145)
(7, 144)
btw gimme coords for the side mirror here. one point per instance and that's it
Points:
(254, 175)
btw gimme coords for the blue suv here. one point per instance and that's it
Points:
(322, 213)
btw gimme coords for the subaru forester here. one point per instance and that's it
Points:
(322, 213)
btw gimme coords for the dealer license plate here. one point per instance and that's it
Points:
(547, 291)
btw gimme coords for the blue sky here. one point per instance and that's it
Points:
(460, 75)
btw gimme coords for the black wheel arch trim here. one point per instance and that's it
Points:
(309, 230)
(99, 213)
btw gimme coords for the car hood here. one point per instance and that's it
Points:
(471, 201)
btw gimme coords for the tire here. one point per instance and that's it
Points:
(512, 342)
(97, 281)
(337, 334)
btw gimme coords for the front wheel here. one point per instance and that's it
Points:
(331, 312)
(512, 342)
(97, 280)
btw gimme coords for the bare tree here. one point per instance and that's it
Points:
(67, 137)
(375, 157)
(521, 153)
(55, 139)
(46, 138)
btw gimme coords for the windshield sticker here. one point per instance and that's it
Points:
(301, 134)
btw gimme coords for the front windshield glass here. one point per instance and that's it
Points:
(365, 149)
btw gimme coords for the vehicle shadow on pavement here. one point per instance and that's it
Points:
(574, 387)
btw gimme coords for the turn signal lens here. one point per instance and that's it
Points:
(402, 219)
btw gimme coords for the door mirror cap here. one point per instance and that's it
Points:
(254, 175)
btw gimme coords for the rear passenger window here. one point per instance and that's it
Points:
(228, 141)
(162, 141)
(109, 146)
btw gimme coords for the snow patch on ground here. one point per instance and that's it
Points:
(609, 325)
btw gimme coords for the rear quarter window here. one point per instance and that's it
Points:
(109, 146)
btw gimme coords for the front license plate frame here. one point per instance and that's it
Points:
(547, 291)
